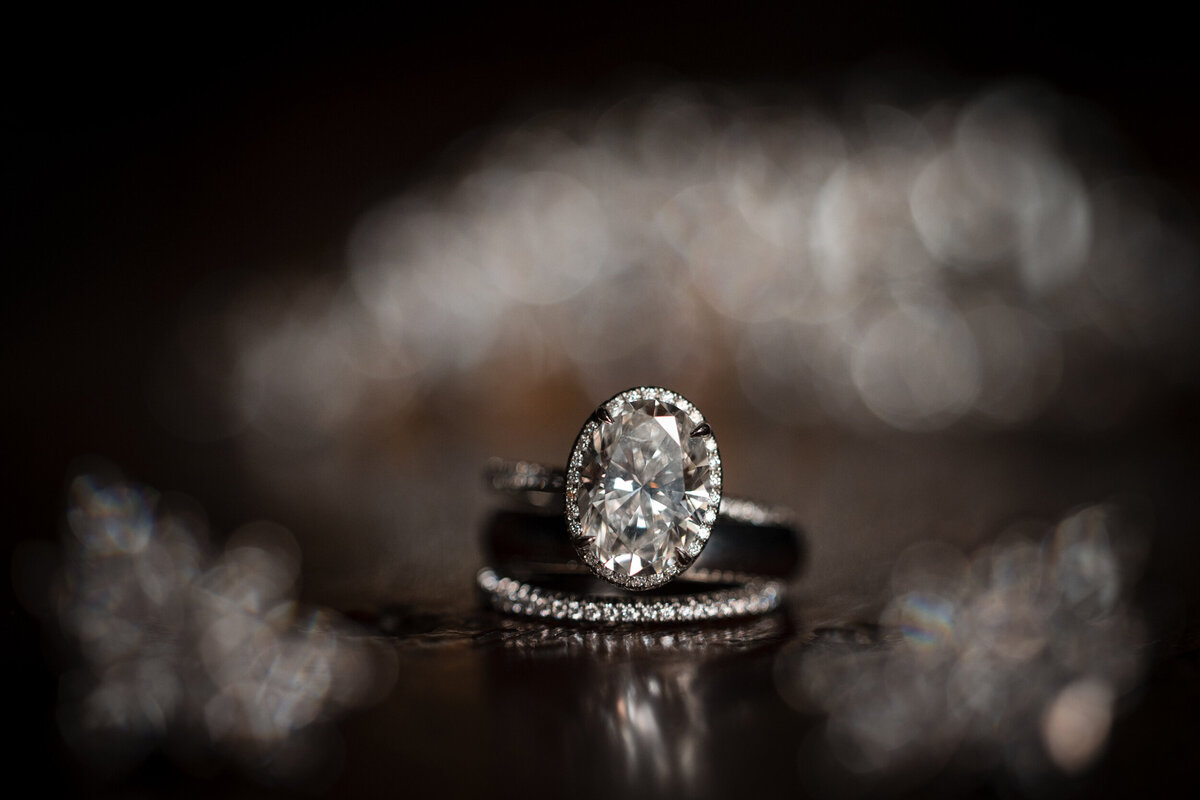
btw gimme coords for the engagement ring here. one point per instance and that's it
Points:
(641, 491)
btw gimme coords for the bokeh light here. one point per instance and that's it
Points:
(1015, 656)
(197, 650)
(915, 268)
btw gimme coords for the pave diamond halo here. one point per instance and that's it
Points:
(643, 487)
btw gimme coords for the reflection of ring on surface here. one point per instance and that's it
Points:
(527, 538)
(641, 491)
(714, 596)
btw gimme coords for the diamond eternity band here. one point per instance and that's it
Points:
(739, 596)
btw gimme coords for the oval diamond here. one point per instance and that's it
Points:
(643, 487)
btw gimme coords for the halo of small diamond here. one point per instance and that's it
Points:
(573, 511)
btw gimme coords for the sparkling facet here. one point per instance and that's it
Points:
(646, 487)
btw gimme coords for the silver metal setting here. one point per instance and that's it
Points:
(750, 596)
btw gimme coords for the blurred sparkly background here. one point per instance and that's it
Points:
(278, 289)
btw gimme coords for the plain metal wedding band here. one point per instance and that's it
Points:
(520, 538)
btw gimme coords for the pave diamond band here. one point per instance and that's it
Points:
(541, 486)
(732, 596)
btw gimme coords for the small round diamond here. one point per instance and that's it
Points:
(647, 487)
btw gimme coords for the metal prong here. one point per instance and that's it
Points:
(683, 558)
(585, 541)
(702, 430)
(603, 415)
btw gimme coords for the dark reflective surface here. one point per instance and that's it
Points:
(505, 707)
(646, 713)
(593, 713)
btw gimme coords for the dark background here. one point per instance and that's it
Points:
(147, 151)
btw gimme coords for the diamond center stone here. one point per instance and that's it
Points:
(646, 489)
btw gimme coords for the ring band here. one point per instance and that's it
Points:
(543, 487)
(732, 597)
(525, 538)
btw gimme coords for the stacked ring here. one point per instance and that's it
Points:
(640, 499)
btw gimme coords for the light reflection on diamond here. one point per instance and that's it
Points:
(645, 487)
